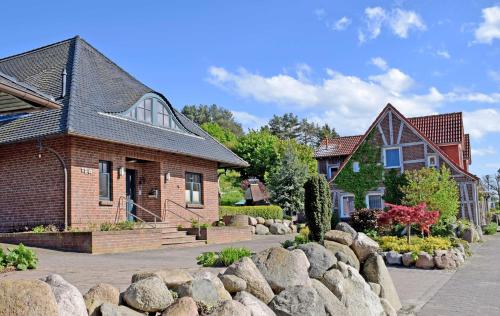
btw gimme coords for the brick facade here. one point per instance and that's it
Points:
(32, 188)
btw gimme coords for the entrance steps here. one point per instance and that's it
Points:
(173, 238)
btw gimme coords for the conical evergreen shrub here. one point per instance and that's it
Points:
(317, 206)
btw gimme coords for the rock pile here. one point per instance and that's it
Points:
(346, 276)
(271, 226)
(441, 259)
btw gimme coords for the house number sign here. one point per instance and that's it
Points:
(86, 170)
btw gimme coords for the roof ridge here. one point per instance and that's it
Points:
(434, 115)
(73, 76)
(107, 59)
(345, 136)
(39, 49)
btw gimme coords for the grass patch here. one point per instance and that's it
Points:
(490, 229)
(429, 244)
(224, 258)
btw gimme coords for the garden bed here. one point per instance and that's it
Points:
(221, 235)
(95, 242)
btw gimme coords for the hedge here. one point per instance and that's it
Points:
(265, 211)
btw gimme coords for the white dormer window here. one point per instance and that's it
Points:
(355, 166)
(151, 109)
(432, 161)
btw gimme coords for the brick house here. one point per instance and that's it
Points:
(67, 109)
(406, 144)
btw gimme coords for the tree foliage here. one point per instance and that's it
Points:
(213, 114)
(261, 150)
(369, 175)
(393, 182)
(434, 187)
(286, 182)
(304, 153)
(224, 135)
(317, 206)
(409, 215)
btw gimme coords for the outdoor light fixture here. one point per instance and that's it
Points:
(166, 177)
(121, 171)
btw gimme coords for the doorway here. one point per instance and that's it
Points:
(130, 187)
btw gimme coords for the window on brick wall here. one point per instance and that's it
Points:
(194, 188)
(392, 157)
(374, 201)
(105, 180)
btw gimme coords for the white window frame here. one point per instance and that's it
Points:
(367, 199)
(400, 157)
(355, 166)
(329, 170)
(435, 159)
(341, 204)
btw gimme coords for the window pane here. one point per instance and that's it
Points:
(147, 115)
(392, 158)
(348, 205)
(104, 185)
(194, 188)
(374, 201)
(140, 113)
(147, 104)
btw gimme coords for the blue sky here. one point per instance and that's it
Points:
(338, 62)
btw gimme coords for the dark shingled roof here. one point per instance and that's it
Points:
(97, 90)
(24, 87)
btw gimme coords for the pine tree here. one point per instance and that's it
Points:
(318, 206)
(286, 183)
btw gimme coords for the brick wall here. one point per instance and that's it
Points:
(90, 242)
(32, 188)
(222, 235)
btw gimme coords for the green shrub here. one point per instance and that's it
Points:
(20, 257)
(204, 225)
(400, 244)
(318, 206)
(265, 211)
(225, 257)
(288, 243)
(126, 225)
(364, 219)
(287, 217)
(38, 229)
(299, 240)
(490, 229)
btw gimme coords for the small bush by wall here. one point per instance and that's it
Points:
(265, 211)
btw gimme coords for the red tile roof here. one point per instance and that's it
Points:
(338, 146)
(442, 128)
(467, 153)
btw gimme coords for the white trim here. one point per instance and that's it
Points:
(341, 203)
(400, 132)
(400, 157)
(391, 133)
(435, 156)
(382, 133)
(414, 161)
(367, 199)
(412, 144)
(328, 172)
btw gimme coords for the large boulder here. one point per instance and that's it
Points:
(375, 271)
(261, 229)
(388, 309)
(232, 283)
(343, 253)
(471, 235)
(99, 294)
(256, 283)
(333, 306)
(342, 226)
(408, 259)
(444, 259)
(424, 261)
(287, 222)
(363, 246)
(352, 290)
(185, 306)
(252, 221)
(298, 301)
(171, 277)
(319, 258)
(27, 297)
(282, 268)
(269, 222)
(394, 258)
(108, 309)
(261, 220)
(69, 299)
(148, 295)
(340, 237)
(230, 308)
(256, 306)
(205, 288)
(278, 229)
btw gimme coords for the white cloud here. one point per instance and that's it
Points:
(341, 24)
(350, 102)
(490, 150)
(443, 53)
(481, 122)
(489, 29)
(249, 121)
(399, 21)
(380, 63)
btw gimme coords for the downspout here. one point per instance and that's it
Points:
(41, 147)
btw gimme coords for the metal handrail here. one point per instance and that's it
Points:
(165, 208)
(142, 208)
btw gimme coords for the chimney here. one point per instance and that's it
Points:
(64, 75)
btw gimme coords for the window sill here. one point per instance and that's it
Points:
(194, 205)
(105, 203)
